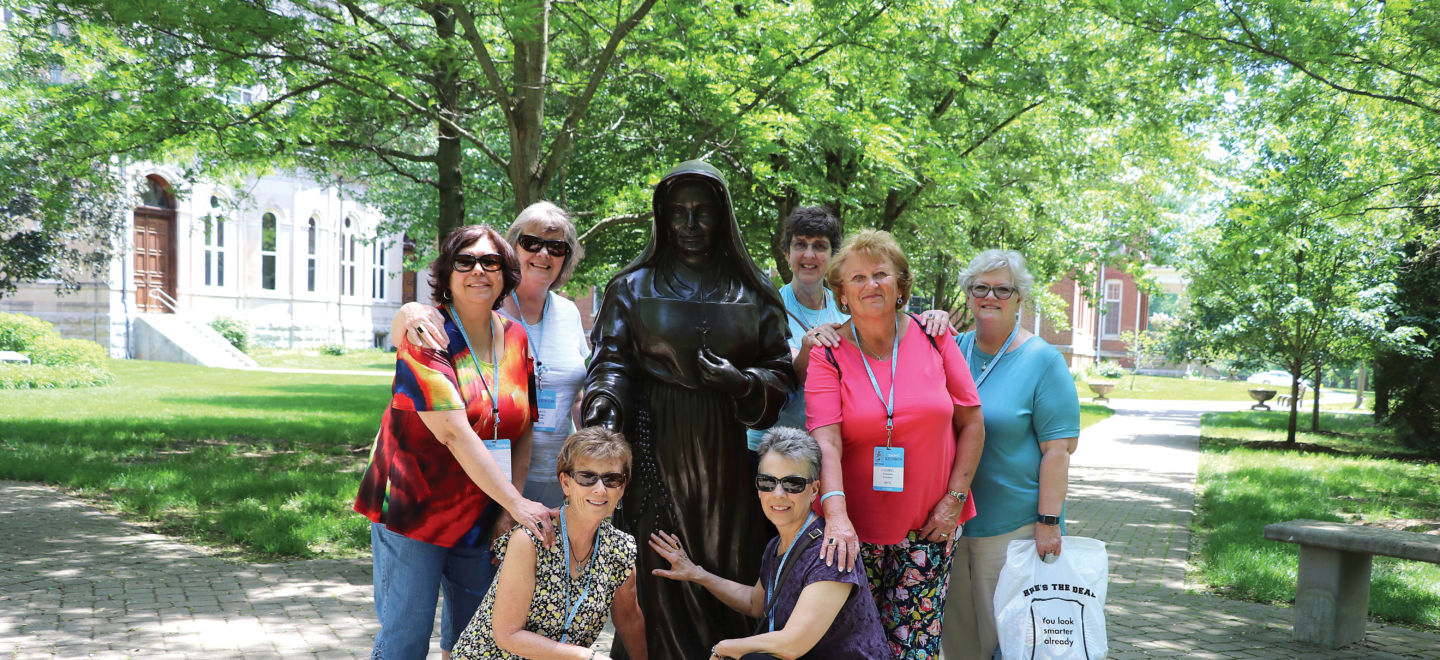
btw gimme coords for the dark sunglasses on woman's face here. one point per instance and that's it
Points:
(534, 244)
(489, 263)
(587, 478)
(1001, 292)
(792, 484)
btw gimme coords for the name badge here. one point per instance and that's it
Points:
(550, 416)
(889, 469)
(500, 451)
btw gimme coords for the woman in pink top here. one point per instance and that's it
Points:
(900, 430)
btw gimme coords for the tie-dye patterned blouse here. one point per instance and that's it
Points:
(414, 485)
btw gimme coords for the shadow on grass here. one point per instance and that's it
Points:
(277, 485)
(1247, 485)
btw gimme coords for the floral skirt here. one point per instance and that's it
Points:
(908, 580)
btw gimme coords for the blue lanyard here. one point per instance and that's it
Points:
(970, 353)
(494, 404)
(539, 337)
(773, 597)
(894, 357)
(589, 574)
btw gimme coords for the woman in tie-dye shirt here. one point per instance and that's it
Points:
(454, 441)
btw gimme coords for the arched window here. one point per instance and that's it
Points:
(348, 258)
(268, 258)
(157, 193)
(312, 239)
(377, 270)
(214, 227)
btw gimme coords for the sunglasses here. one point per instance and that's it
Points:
(489, 263)
(535, 244)
(586, 478)
(792, 484)
(1001, 292)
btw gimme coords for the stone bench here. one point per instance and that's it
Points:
(1283, 400)
(1332, 594)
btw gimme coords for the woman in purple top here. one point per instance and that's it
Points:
(806, 609)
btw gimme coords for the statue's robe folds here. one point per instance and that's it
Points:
(693, 476)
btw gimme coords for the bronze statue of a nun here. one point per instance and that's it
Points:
(690, 349)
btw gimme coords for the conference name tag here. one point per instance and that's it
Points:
(550, 416)
(500, 451)
(889, 475)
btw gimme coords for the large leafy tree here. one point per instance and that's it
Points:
(957, 125)
(1408, 376)
(1286, 278)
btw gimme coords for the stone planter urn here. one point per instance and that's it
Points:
(1261, 395)
(1101, 389)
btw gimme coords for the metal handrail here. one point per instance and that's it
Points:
(166, 300)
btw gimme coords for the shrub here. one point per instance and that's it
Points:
(234, 331)
(18, 331)
(44, 377)
(1107, 370)
(334, 349)
(53, 351)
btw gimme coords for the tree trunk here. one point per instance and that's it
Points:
(527, 122)
(1360, 386)
(1294, 403)
(1315, 407)
(785, 203)
(448, 152)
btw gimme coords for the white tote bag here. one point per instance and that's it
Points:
(1053, 611)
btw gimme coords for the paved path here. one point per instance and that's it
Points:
(1132, 485)
(75, 582)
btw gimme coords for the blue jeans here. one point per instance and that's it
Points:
(409, 576)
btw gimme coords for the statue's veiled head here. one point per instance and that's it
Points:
(692, 216)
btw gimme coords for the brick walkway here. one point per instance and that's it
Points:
(75, 582)
(1132, 485)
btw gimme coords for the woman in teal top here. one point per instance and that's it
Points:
(1032, 424)
(812, 235)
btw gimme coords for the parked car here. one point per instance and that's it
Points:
(1276, 377)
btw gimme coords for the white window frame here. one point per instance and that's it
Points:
(312, 254)
(1114, 309)
(348, 260)
(377, 270)
(213, 250)
(272, 254)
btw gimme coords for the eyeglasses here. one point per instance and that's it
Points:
(586, 478)
(1001, 292)
(792, 484)
(489, 263)
(535, 244)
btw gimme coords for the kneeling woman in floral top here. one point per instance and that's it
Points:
(553, 603)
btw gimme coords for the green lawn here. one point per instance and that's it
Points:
(1351, 472)
(1093, 412)
(373, 359)
(1173, 389)
(261, 461)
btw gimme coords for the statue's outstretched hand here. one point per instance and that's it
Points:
(719, 374)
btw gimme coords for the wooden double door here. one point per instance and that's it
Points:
(154, 258)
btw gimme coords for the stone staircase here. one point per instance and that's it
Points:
(180, 338)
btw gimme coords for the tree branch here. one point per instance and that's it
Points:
(629, 218)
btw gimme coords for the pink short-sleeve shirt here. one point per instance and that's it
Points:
(930, 382)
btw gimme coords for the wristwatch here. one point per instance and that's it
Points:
(1047, 520)
(959, 496)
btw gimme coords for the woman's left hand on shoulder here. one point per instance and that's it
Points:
(936, 322)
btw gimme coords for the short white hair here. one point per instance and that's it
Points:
(992, 260)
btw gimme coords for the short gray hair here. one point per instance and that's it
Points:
(547, 215)
(793, 444)
(991, 260)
